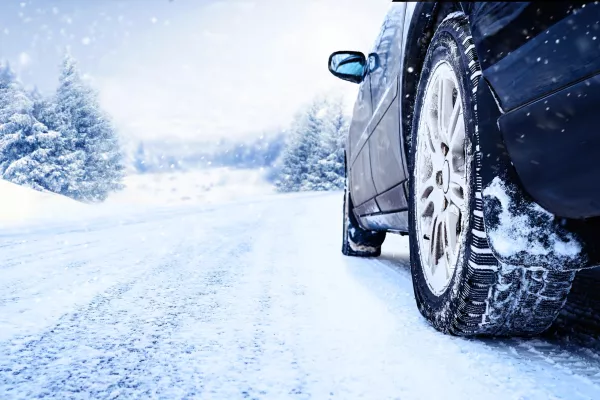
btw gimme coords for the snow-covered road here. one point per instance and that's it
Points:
(253, 300)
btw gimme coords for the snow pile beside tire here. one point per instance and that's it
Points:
(525, 233)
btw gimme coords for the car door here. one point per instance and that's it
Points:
(385, 147)
(362, 188)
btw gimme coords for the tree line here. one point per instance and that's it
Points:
(64, 143)
(308, 155)
(158, 156)
(67, 145)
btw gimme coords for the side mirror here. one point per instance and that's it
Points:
(348, 65)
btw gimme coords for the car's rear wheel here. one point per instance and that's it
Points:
(460, 287)
(358, 242)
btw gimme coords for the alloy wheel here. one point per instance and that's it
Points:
(441, 187)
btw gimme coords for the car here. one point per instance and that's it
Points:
(476, 133)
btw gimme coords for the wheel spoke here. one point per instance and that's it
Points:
(457, 140)
(447, 254)
(434, 148)
(444, 108)
(453, 122)
(452, 220)
(437, 244)
(433, 202)
(427, 185)
(432, 240)
(456, 193)
(433, 142)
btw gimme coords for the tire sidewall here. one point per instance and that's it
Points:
(445, 46)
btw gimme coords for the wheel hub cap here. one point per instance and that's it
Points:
(441, 186)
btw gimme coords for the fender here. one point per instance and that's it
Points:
(520, 232)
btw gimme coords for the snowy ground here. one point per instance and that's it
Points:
(252, 300)
(19, 205)
(212, 185)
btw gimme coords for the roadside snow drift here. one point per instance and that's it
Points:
(19, 204)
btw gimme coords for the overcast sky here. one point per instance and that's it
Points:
(191, 69)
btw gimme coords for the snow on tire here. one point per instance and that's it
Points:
(460, 287)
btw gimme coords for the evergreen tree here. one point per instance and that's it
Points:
(64, 158)
(301, 151)
(88, 135)
(313, 158)
(338, 124)
(328, 163)
(26, 146)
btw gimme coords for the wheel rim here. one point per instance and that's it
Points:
(441, 186)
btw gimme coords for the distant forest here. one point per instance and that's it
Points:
(307, 156)
(67, 144)
(154, 157)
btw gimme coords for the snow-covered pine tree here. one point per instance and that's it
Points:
(298, 158)
(338, 124)
(328, 160)
(27, 148)
(68, 161)
(89, 136)
(313, 158)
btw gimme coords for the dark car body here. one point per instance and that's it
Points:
(539, 106)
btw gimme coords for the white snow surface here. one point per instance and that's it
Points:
(211, 185)
(250, 299)
(20, 204)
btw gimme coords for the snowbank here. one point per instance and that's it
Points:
(19, 204)
(23, 207)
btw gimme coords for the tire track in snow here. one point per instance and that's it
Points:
(116, 343)
(49, 278)
(273, 370)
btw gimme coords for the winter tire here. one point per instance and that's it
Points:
(358, 242)
(460, 287)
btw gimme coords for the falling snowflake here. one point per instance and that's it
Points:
(24, 59)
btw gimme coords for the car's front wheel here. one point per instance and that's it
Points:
(460, 286)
